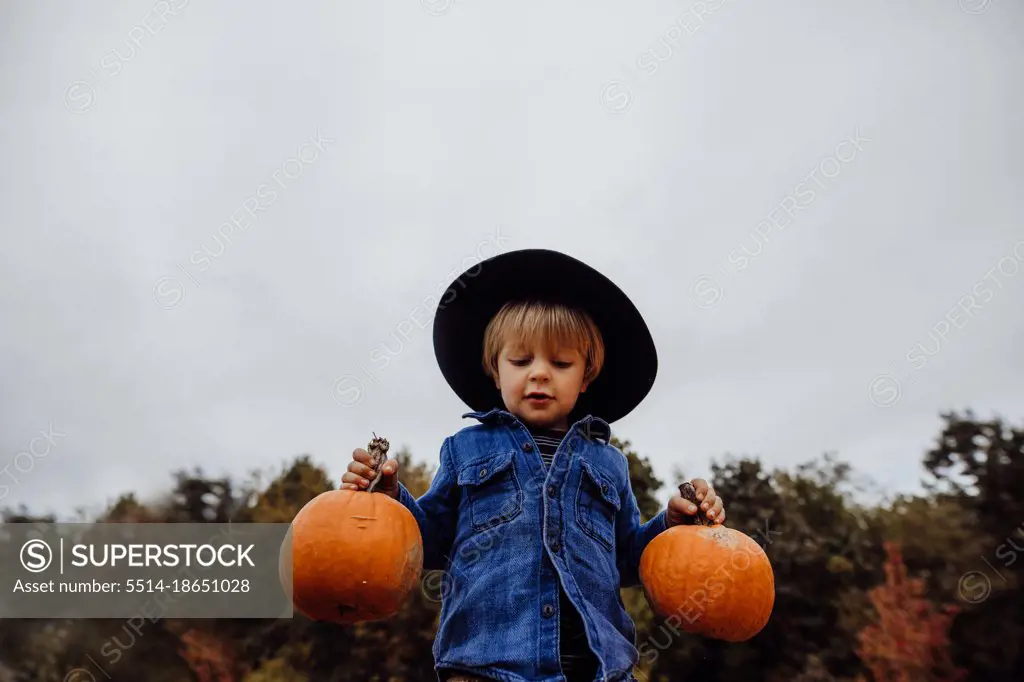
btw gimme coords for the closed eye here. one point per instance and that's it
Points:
(561, 364)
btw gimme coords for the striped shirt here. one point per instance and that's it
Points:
(578, 661)
(547, 442)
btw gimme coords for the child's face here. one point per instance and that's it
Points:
(527, 370)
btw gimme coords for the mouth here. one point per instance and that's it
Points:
(538, 397)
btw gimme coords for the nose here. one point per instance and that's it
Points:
(539, 371)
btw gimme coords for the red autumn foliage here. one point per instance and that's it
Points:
(209, 657)
(910, 640)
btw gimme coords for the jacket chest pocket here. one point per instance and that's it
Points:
(492, 489)
(597, 505)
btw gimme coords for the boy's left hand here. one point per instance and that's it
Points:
(680, 510)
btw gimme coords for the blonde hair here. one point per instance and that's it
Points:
(554, 324)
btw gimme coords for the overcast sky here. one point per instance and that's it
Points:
(814, 206)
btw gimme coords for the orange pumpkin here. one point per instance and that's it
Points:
(356, 555)
(715, 581)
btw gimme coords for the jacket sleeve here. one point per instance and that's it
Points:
(436, 511)
(632, 537)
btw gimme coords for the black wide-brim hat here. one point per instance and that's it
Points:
(470, 302)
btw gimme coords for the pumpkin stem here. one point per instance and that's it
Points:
(378, 449)
(689, 494)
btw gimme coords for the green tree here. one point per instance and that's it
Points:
(645, 485)
(979, 464)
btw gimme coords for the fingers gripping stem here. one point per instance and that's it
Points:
(378, 449)
(689, 493)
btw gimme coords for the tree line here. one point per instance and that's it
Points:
(914, 588)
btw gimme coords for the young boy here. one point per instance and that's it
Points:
(531, 512)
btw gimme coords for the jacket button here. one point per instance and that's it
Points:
(548, 610)
(528, 447)
(604, 487)
(552, 491)
(555, 546)
(483, 472)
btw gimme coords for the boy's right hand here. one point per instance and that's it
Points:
(360, 473)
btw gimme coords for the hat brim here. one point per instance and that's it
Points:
(469, 303)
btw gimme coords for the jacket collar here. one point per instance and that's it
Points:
(590, 426)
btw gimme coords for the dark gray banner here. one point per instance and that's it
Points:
(124, 570)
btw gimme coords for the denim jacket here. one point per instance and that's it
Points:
(507, 532)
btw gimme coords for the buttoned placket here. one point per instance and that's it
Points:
(551, 527)
(556, 477)
(552, 493)
(554, 482)
(549, 584)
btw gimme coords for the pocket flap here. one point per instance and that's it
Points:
(602, 483)
(482, 470)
